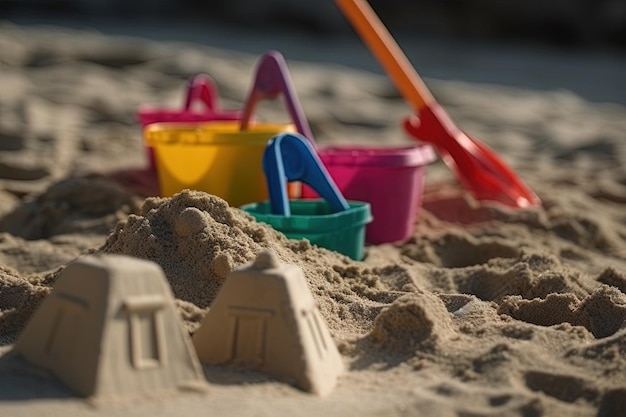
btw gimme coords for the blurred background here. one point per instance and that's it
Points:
(575, 45)
(568, 22)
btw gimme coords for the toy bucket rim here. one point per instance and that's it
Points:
(356, 156)
(359, 211)
(211, 133)
(149, 116)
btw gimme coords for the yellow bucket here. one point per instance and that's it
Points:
(216, 157)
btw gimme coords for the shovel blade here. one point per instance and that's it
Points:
(479, 169)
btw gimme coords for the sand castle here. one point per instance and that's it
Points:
(265, 318)
(110, 329)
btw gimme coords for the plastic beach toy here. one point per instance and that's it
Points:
(390, 179)
(217, 158)
(477, 167)
(201, 105)
(289, 158)
(224, 157)
(334, 223)
(272, 79)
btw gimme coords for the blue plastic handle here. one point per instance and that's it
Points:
(291, 157)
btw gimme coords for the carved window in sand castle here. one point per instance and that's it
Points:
(65, 324)
(249, 328)
(146, 330)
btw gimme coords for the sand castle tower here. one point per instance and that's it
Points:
(264, 318)
(109, 329)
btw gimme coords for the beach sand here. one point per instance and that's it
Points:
(484, 311)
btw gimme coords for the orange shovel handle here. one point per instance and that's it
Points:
(387, 52)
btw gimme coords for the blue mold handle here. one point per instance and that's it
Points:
(291, 157)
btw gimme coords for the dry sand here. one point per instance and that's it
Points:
(485, 311)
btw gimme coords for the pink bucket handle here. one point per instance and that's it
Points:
(271, 79)
(201, 88)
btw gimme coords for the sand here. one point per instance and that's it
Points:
(484, 311)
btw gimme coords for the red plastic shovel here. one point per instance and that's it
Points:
(477, 167)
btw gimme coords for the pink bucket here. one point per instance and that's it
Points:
(390, 179)
(201, 92)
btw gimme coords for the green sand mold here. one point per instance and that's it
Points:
(314, 220)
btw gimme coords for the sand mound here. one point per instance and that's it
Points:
(19, 299)
(197, 239)
(602, 313)
(74, 205)
(412, 321)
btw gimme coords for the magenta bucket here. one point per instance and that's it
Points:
(390, 179)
